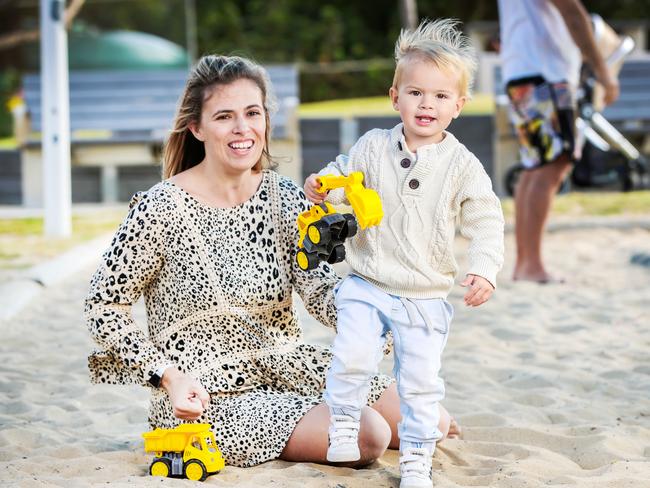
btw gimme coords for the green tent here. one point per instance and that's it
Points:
(120, 49)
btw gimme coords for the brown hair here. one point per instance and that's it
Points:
(182, 150)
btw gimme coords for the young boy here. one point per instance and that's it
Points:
(403, 270)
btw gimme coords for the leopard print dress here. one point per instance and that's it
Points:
(217, 284)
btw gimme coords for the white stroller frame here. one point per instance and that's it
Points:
(592, 126)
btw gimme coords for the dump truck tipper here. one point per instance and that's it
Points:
(189, 451)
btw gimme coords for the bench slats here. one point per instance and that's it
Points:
(140, 105)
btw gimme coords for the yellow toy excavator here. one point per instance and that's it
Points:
(323, 230)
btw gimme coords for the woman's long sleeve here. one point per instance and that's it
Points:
(131, 263)
(315, 287)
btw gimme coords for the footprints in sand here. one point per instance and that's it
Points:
(510, 335)
(567, 329)
(520, 380)
(15, 408)
(534, 400)
(482, 420)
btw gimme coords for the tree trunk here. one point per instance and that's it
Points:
(13, 39)
(408, 11)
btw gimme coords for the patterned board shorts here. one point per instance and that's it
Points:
(543, 116)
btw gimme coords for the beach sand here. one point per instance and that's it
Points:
(551, 384)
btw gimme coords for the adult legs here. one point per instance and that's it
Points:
(309, 440)
(356, 352)
(388, 406)
(357, 347)
(533, 198)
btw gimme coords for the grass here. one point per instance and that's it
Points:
(481, 104)
(594, 204)
(22, 243)
(8, 143)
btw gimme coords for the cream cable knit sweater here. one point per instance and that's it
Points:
(410, 254)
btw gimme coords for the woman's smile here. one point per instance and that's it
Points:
(241, 147)
(233, 126)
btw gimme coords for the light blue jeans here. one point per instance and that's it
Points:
(420, 329)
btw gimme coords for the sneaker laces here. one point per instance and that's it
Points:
(415, 462)
(343, 430)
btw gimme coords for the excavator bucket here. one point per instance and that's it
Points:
(367, 207)
(365, 201)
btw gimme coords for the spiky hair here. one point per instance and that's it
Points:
(442, 43)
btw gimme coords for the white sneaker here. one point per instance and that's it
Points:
(415, 468)
(343, 433)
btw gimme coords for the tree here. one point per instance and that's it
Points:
(408, 12)
(15, 38)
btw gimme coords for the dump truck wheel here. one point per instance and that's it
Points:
(318, 232)
(350, 226)
(160, 467)
(195, 470)
(337, 255)
(307, 260)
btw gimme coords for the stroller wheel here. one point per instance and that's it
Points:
(635, 175)
(514, 173)
(511, 179)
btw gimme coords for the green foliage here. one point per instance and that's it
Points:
(165, 19)
(9, 83)
(374, 81)
(287, 31)
(297, 30)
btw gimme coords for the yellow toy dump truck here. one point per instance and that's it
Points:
(322, 230)
(188, 450)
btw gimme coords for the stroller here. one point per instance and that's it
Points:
(608, 160)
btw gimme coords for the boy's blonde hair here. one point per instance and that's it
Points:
(440, 42)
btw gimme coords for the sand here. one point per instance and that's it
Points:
(550, 383)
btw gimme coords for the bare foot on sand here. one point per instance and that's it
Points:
(455, 432)
(541, 277)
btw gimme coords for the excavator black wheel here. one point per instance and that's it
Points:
(307, 260)
(337, 255)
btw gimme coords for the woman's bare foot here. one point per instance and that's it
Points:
(455, 432)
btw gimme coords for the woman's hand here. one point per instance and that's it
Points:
(311, 187)
(479, 292)
(187, 395)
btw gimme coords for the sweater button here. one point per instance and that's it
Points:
(405, 163)
(414, 184)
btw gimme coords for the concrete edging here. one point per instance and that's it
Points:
(18, 293)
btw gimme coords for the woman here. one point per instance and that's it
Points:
(212, 248)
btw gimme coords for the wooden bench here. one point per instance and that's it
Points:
(118, 122)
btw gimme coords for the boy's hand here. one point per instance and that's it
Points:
(480, 290)
(311, 185)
